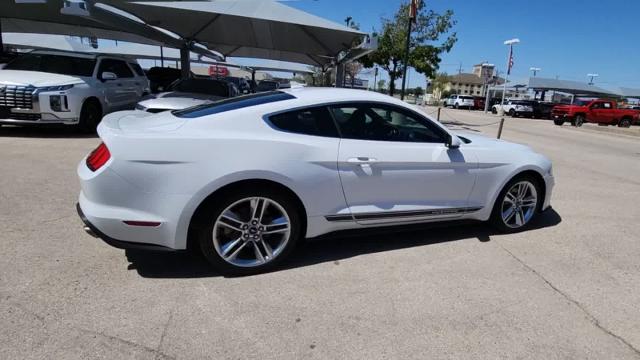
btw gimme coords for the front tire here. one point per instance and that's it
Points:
(578, 121)
(249, 231)
(90, 116)
(558, 122)
(512, 112)
(517, 204)
(494, 110)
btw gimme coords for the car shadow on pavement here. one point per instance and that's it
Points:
(44, 132)
(331, 248)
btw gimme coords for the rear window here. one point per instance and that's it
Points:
(233, 104)
(202, 86)
(137, 69)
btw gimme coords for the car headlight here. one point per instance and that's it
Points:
(141, 107)
(55, 88)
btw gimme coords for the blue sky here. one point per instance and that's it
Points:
(566, 38)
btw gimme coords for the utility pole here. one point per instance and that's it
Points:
(413, 13)
(509, 65)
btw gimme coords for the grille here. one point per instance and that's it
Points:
(16, 96)
(21, 116)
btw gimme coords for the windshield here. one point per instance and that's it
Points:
(202, 86)
(55, 64)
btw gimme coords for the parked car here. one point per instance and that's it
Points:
(601, 112)
(161, 77)
(185, 93)
(246, 178)
(243, 85)
(542, 110)
(267, 85)
(478, 102)
(460, 101)
(56, 87)
(514, 108)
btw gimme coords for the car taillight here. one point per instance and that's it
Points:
(98, 157)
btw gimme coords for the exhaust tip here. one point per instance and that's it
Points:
(89, 231)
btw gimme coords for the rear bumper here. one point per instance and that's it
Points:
(90, 229)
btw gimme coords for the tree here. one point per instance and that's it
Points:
(439, 84)
(352, 69)
(424, 49)
(418, 91)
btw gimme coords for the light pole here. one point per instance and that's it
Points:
(509, 65)
(535, 70)
(592, 76)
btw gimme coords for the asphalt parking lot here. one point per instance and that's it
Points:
(568, 289)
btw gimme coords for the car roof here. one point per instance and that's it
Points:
(82, 54)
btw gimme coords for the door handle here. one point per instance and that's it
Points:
(362, 160)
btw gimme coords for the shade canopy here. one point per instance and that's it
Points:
(630, 93)
(240, 28)
(570, 87)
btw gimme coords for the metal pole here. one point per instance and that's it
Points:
(506, 77)
(500, 128)
(1, 43)
(375, 78)
(161, 56)
(487, 98)
(439, 109)
(185, 61)
(406, 58)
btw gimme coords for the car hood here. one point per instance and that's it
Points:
(36, 78)
(176, 100)
(484, 141)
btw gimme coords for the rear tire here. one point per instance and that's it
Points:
(90, 116)
(236, 242)
(456, 106)
(625, 123)
(517, 205)
(512, 112)
(494, 111)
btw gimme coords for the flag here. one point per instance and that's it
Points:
(510, 60)
(413, 10)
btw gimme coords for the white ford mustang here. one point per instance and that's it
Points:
(245, 178)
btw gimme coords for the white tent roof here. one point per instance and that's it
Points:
(239, 28)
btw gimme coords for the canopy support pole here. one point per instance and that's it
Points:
(185, 61)
(161, 56)
(253, 81)
(340, 75)
(1, 43)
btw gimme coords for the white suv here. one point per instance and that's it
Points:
(56, 87)
(458, 101)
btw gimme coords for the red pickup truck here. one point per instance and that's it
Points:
(601, 112)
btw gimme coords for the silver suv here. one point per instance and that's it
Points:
(57, 87)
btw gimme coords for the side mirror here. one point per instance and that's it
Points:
(105, 76)
(453, 142)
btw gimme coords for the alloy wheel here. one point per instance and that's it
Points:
(519, 204)
(251, 232)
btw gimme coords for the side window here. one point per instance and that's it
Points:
(313, 121)
(137, 69)
(384, 123)
(607, 105)
(117, 67)
(596, 106)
